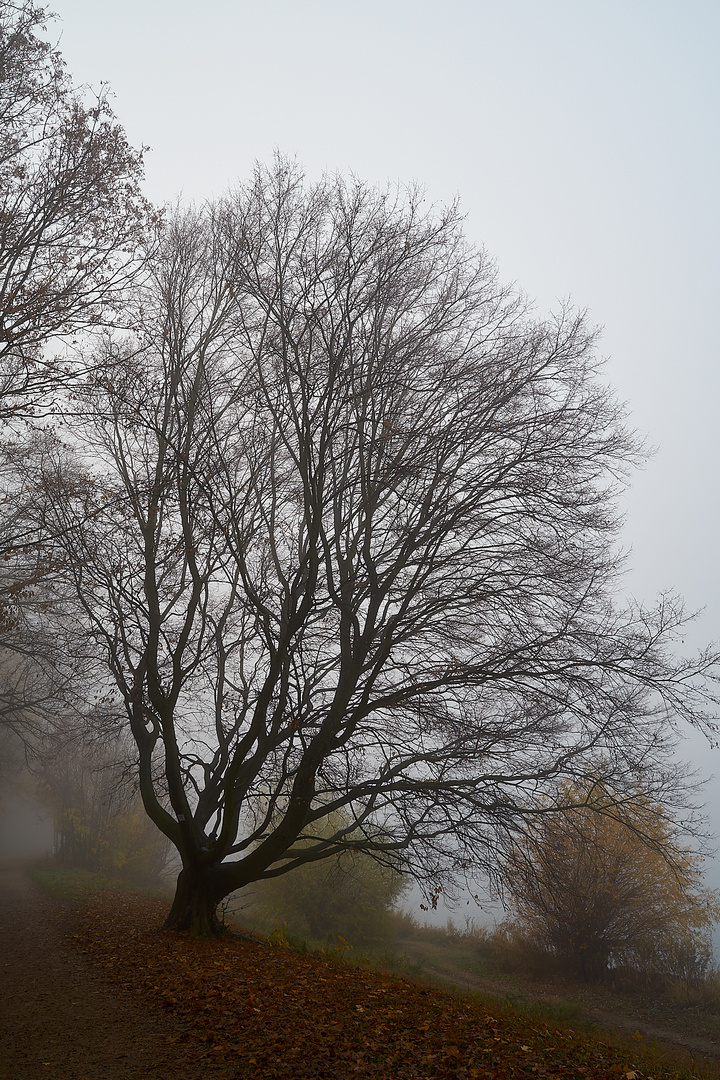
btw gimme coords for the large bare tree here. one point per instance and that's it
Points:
(344, 528)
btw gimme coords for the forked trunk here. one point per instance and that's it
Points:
(198, 892)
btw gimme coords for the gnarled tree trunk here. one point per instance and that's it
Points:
(198, 892)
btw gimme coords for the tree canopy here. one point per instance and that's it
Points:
(341, 519)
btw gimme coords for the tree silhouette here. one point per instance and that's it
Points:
(343, 526)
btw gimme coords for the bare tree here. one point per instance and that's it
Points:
(345, 531)
(73, 225)
(72, 217)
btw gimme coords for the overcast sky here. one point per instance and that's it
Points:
(582, 139)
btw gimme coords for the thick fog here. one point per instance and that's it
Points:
(582, 141)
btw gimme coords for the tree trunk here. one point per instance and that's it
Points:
(594, 965)
(198, 892)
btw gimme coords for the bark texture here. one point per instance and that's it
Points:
(198, 892)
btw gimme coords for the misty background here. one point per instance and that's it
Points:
(581, 139)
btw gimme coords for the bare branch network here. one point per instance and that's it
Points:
(72, 219)
(344, 528)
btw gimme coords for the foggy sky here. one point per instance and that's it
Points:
(581, 138)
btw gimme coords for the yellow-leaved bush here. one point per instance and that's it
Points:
(606, 885)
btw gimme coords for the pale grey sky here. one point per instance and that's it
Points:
(582, 138)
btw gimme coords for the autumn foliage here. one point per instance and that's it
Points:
(72, 217)
(607, 886)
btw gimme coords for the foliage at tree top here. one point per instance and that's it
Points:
(72, 216)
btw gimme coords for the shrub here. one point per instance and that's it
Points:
(350, 895)
(606, 888)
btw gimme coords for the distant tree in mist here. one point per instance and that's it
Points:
(606, 883)
(99, 820)
(350, 895)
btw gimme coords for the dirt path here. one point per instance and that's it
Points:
(439, 968)
(59, 1020)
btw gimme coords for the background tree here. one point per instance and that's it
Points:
(343, 527)
(73, 226)
(607, 884)
(349, 896)
(100, 823)
(45, 670)
(72, 218)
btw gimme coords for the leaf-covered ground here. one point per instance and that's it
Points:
(262, 1010)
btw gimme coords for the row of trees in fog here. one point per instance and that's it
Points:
(307, 503)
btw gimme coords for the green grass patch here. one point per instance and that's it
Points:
(76, 885)
(558, 1013)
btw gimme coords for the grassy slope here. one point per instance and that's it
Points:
(268, 1010)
